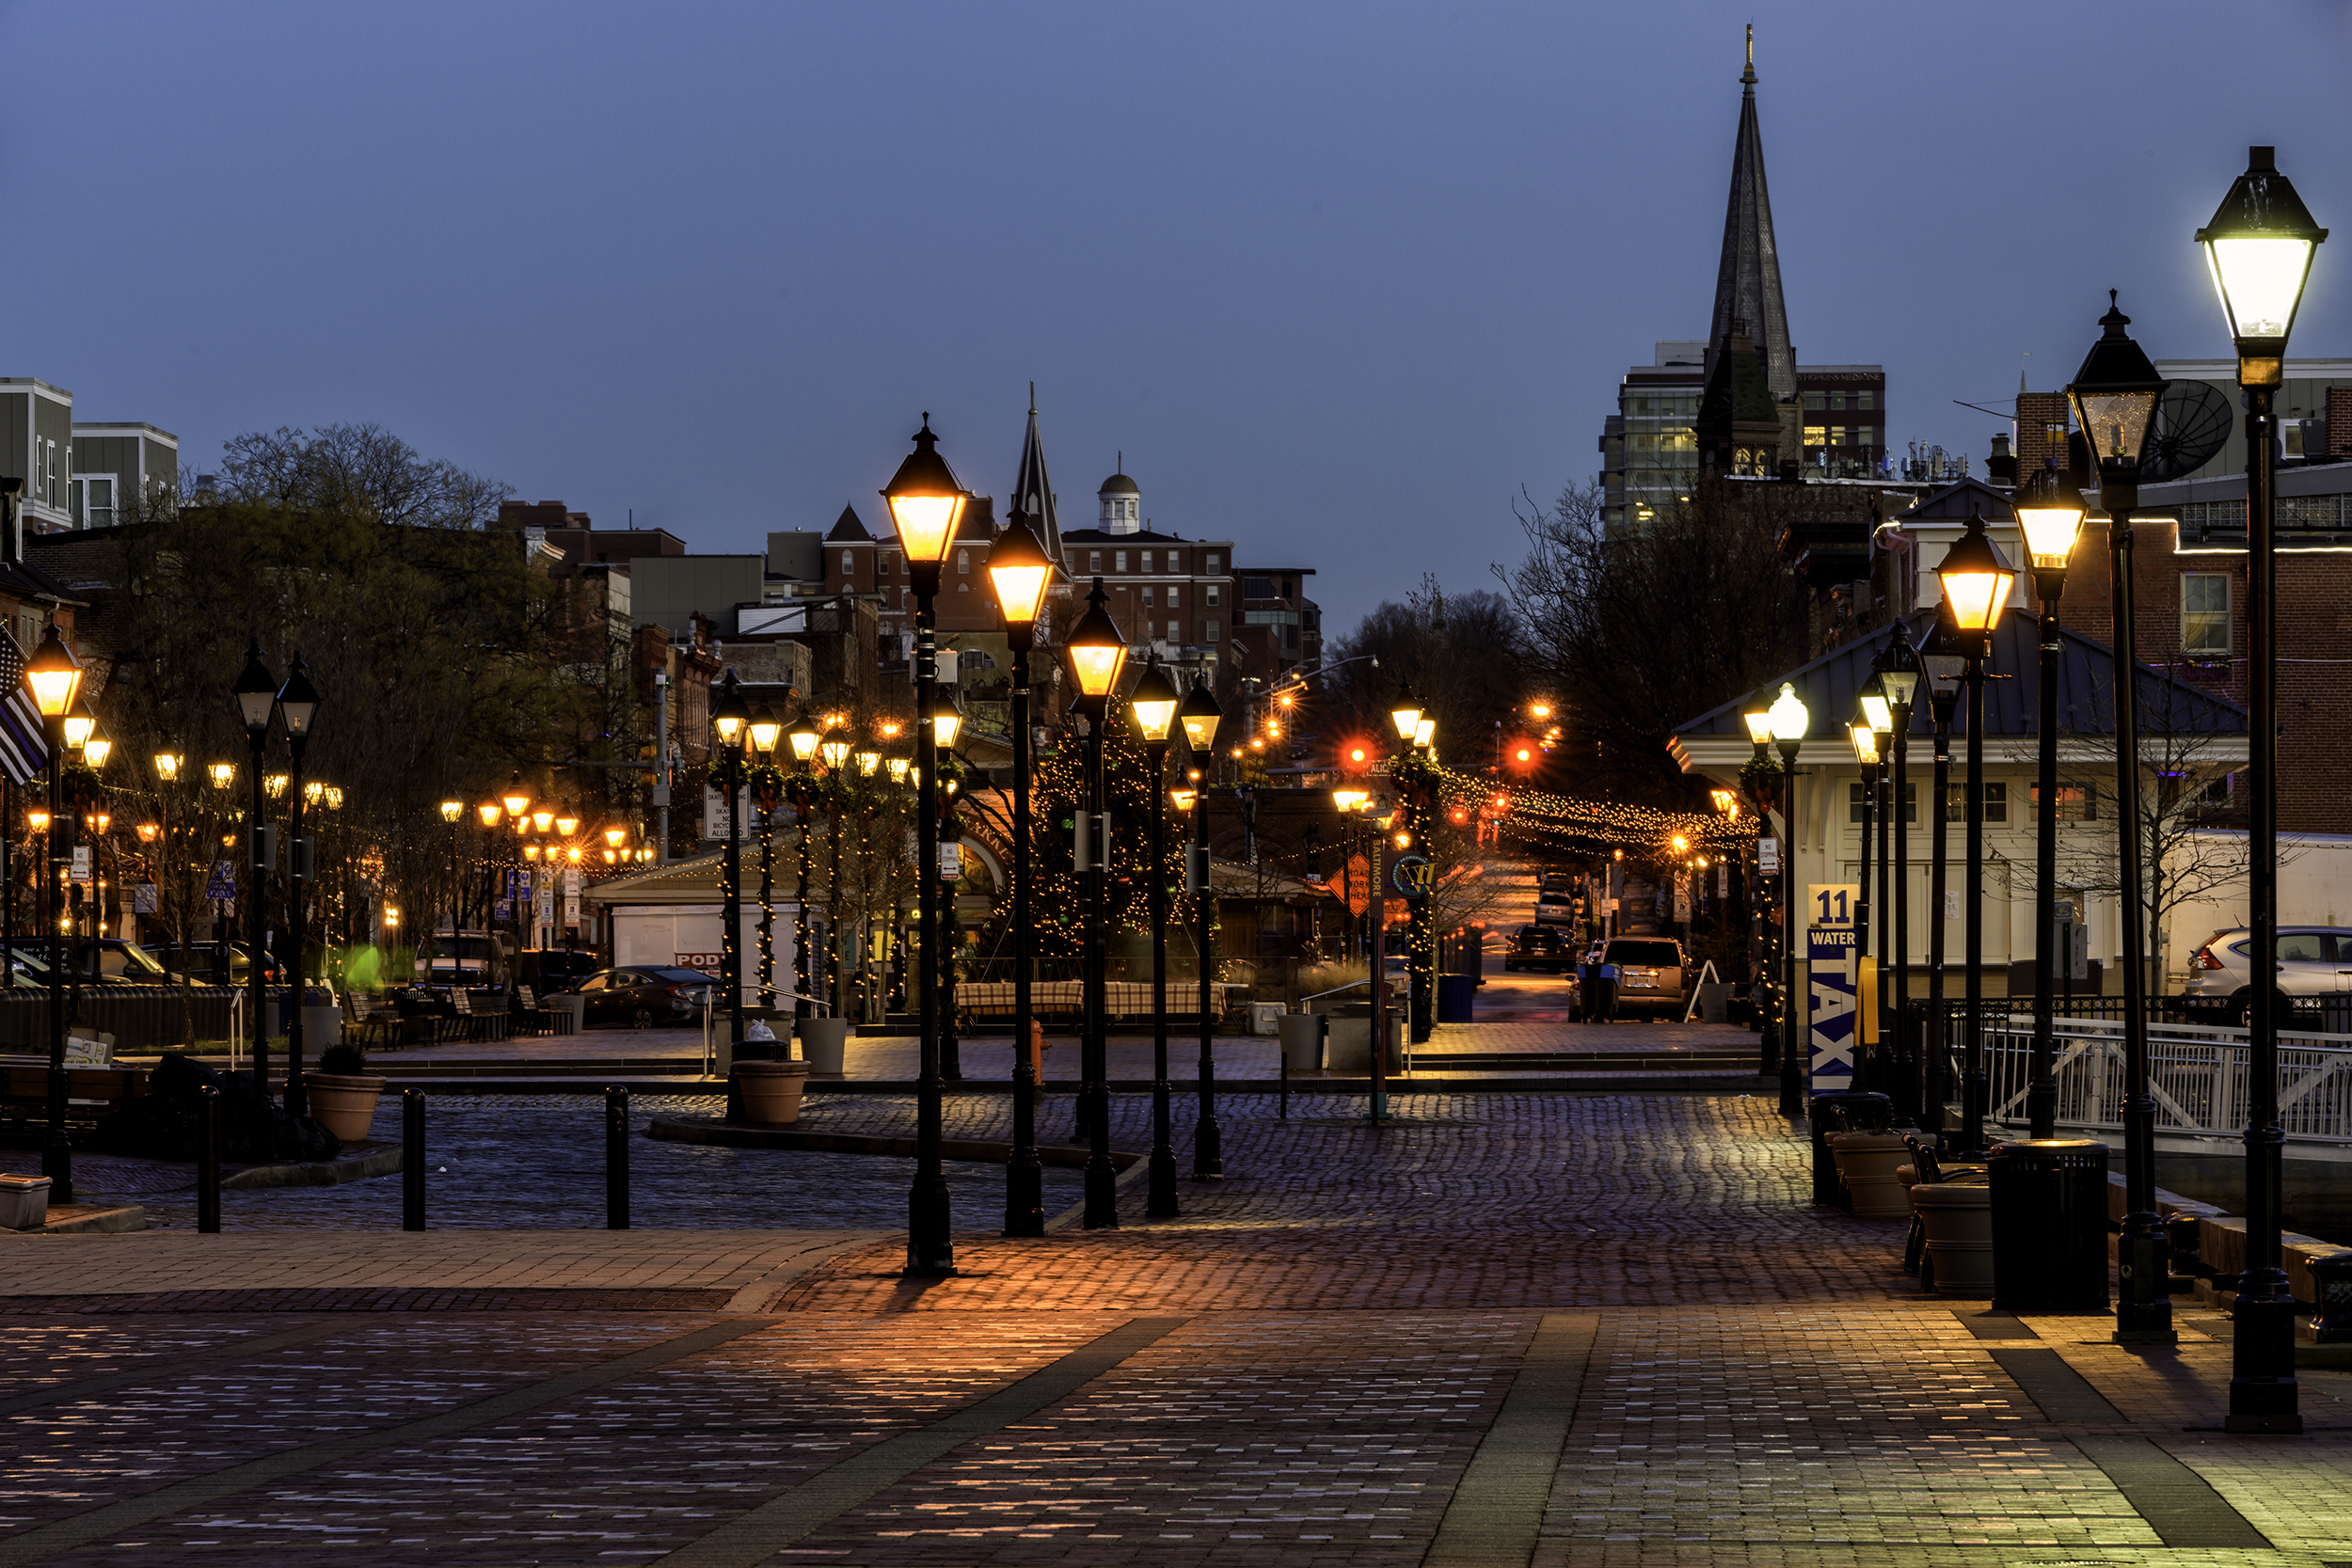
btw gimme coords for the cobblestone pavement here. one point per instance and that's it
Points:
(1523, 1330)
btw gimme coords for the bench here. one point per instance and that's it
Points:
(94, 1095)
(368, 1016)
(531, 1018)
(1065, 999)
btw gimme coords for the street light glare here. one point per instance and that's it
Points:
(1790, 715)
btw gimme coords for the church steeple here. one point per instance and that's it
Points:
(1033, 491)
(1747, 281)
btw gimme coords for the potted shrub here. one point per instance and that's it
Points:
(342, 1092)
(771, 1091)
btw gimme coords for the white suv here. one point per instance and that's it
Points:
(2314, 960)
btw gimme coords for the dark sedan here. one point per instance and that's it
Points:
(1540, 947)
(645, 996)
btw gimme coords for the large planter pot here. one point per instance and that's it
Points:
(825, 1043)
(771, 1091)
(1867, 1164)
(1302, 1041)
(344, 1106)
(1958, 1219)
(24, 1202)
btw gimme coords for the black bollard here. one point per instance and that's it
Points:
(616, 1158)
(1285, 1111)
(412, 1160)
(208, 1161)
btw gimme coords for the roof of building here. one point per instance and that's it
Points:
(847, 528)
(1141, 536)
(1033, 489)
(1119, 484)
(1832, 686)
(1954, 502)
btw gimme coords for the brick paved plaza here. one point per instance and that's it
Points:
(1510, 1328)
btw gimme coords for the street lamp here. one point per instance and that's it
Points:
(1772, 1019)
(1199, 715)
(730, 724)
(452, 813)
(298, 707)
(256, 691)
(1976, 580)
(2115, 396)
(1021, 571)
(1899, 678)
(55, 676)
(1155, 702)
(927, 503)
(1405, 714)
(2050, 514)
(1097, 651)
(1789, 718)
(2258, 249)
(1866, 752)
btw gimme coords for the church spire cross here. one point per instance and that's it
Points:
(1749, 76)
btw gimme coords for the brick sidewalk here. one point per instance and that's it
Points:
(1508, 1329)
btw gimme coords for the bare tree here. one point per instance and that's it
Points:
(362, 470)
(1639, 629)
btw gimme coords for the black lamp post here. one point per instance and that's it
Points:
(1154, 703)
(2050, 514)
(1200, 716)
(1097, 651)
(1898, 681)
(1789, 719)
(1757, 716)
(926, 505)
(803, 738)
(1021, 571)
(299, 706)
(54, 677)
(762, 730)
(2115, 396)
(1943, 658)
(1865, 749)
(257, 704)
(730, 720)
(2259, 247)
(1976, 581)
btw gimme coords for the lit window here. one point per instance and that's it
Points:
(1817, 436)
(2076, 802)
(1995, 803)
(2205, 614)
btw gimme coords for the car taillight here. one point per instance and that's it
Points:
(2205, 958)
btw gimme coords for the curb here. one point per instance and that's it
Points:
(1639, 1083)
(716, 1131)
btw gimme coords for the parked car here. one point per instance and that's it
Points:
(2312, 960)
(645, 996)
(1555, 908)
(1540, 948)
(108, 960)
(1649, 974)
(554, 968)
(195, 958)
(465, 958)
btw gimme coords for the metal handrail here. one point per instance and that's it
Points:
(1334, 991)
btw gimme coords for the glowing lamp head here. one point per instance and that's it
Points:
(1155, 702)
(516, 799)
(150, 832)
(1790, 715)
(925, 502)
(1976, 581)
(765, 728)
(1866, 742)
(542, 819)
(2050, 515)
(298, 700)
(80, 725)
(730, 716)
(615, 837)
(1181, 798)
(868, 762)
(1097, 648)
(834, 749)
(490, 810)
(37, 819)
(1405, 714)
(1757, 716)
(898, 766)
(1200, 716)
(452, 811)
(1426, 733)
(2258, 249)
(276, 784)
(223, 774)
(256, 690)
(805, 739)
(566, 825)
(95, 751)
(1726, 801)
(2116, 395)
(168, 766)
(1021, 571)
(1876, 710)
(530, 851)
(946, 721)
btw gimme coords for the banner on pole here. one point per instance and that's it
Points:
(1829, 1006)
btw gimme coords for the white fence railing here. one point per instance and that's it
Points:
(2197, 1075)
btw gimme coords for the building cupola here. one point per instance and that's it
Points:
(1122, 501)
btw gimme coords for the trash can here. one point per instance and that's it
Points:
(823, 1044)
(1957, 1215)
(573, 1007)
(1350, 1048)
(1714, 1001)
(2049, 1224)
(1302, 1041)
(1598, 985)
(1457, 998)
(1265, 1016)
(1865, 1111)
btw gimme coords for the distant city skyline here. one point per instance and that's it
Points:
(1339, 284)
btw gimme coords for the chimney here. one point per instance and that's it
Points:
(2001, 467)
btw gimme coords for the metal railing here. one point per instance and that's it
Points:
(2197, 1074)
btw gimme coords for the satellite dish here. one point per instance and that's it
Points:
(2193, 420)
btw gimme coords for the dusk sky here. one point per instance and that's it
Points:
(1338, 279)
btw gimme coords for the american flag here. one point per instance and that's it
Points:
(23, 738)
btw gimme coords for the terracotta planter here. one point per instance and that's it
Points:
(344, 1106)
(771, 1091)
(1867, 1164)
(1958, 1218)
